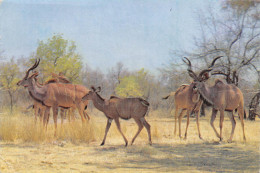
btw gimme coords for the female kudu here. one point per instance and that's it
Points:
(124, 108)
(187, 99)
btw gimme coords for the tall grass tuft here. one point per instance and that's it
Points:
(24, 129)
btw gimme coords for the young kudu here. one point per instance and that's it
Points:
(222, 97)
(54, 95)
(186, 98)
(124, 108)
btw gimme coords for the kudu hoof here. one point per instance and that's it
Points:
(229, 141)
(126, 144)
(102, 143)
(150, 143)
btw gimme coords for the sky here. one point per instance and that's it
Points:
(138, 33)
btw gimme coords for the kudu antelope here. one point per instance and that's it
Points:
(187, 98)
(222, 97)
(39, 108)
(54, 95)
(124, 108)
(60, 78)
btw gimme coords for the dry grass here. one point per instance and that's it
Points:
(76, 148)
(22, 128)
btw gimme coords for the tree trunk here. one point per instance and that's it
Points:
(11, 100)
(253, 107)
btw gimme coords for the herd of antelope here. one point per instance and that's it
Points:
(60, 93)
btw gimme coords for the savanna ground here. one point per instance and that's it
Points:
(25, 147)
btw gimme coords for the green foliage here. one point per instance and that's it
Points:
(9, 76)
(135, 85)
(129, 87)
(59, 55)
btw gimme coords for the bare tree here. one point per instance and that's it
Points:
(233, 33)
(115, 74)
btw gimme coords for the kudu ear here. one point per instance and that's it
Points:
(98, 89)
(93, 88)
(36, 73)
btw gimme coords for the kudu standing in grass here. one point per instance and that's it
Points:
(222, 97)
(39, 108)
(38, 105)
(60, 78)
(54, 95)
(124, 108)
(187, 98)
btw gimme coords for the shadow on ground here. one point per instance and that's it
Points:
(201, 157)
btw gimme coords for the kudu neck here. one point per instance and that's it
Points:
(99, 103)
(206, 93)
(37, 92)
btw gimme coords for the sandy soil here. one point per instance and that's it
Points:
(167, 154)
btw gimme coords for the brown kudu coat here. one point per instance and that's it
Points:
(124, 108)
(55, 95)
(186, 98)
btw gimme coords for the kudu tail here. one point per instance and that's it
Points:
(171, 94)
(31, 106)
(165, 98)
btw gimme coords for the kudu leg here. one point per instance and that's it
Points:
(188, 122)
(42, 115)
(119, 129)
(180, 119)
(233, 122)
(109, 121)
(72, 114)
(55, 115)
(140, 127)
(62, 115)
(176, 115)
(198, 125)
(221, 123)
(213, 117)
(46, 118)
(241, 115)
(81, 111)
(148, 128)
(85, 113)
(36, 111)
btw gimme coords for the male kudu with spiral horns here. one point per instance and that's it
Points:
(54, 95)
(222, 97)
(187, 98)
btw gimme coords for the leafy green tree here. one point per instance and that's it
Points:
(129, 87)
(58, 55)
(9, 79)
(135, 85)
